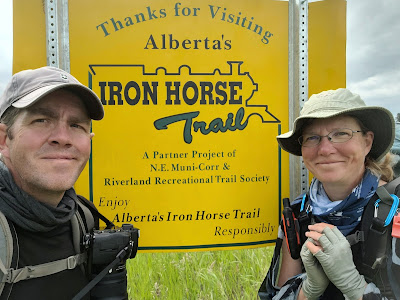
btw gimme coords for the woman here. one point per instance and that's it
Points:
(343, 143)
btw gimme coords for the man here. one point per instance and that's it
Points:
(45, 140)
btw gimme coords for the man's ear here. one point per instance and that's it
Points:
(3, 138)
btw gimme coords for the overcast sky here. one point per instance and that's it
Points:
(373, 50)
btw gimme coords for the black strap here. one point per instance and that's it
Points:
(384, 208)
(393, 188)
(122, 255)
(304, 220)
(377, 235)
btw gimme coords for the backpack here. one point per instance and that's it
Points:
(370, 243)
(377, 241)
(82, 223)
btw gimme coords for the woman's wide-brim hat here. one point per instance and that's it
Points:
(333, 103)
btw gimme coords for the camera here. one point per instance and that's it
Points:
(108, 251)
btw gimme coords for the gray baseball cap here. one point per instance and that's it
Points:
(29, 86)
(333, 103)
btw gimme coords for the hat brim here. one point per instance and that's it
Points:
(88, 97)
(377, 119)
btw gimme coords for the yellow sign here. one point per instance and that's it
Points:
(195, 94)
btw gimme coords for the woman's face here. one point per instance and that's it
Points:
(337, 163)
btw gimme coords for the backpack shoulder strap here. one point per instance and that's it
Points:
(376, 225)
(95, 213)
(85, 220)
(82, 222)
(30, 272)
(378, 212)
(392, 186)
(87, 208)
(78, 230)
(90, 222)
(304, 217)
(6, 249)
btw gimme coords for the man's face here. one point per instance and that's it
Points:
(48, 145)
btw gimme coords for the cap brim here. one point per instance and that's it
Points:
(377, 119)
(89, 98)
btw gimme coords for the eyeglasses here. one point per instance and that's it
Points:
(336, 136)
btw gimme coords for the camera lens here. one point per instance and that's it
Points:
(111, 287)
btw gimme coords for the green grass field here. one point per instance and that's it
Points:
(229, 274)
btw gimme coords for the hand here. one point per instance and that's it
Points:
(334, 254)
(316, 281)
